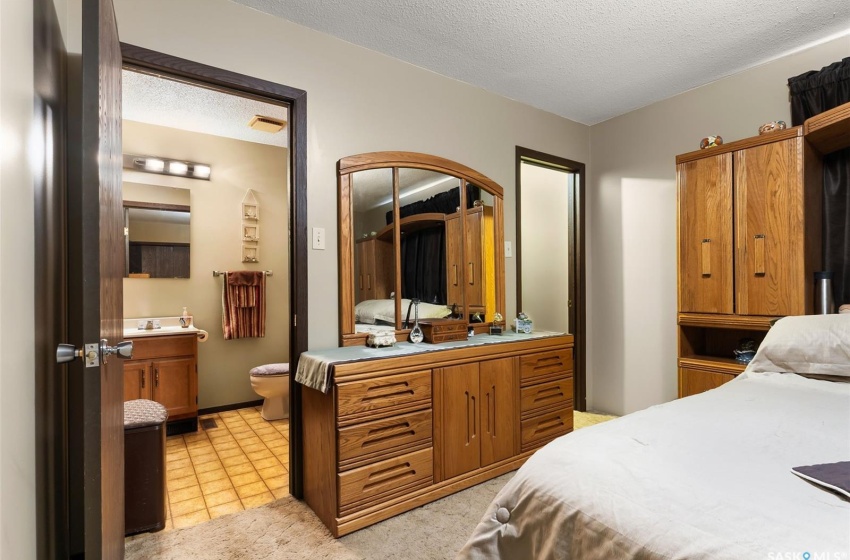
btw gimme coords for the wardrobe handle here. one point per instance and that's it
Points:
(706, 257)
(156, 378)
(468, 435)
(471, 274)
(758, 254)
(368, 281)
(454, 266)
(361, 281)
(142, 378)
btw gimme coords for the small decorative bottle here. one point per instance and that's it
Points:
(184, 319)
(416, 335)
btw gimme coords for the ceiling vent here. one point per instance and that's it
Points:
(266, 124)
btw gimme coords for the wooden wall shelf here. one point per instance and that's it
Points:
(830, 130)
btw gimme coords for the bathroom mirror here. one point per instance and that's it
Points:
(157, 231)
(406, 209)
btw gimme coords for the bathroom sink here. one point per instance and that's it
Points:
(164, 326)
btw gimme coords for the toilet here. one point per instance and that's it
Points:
(271, 382)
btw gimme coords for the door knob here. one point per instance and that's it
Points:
(123, 350)
(68, 353)
(94, 353)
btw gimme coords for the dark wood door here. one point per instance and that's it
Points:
(705, 235)
(770, 230)
(95, 272)
(174, 385)
(137, 378)
(459, 412)
(499, 417)
(475, 300)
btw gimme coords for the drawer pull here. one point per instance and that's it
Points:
(381, 435)
(392, 474)
(547, 362)
(706, 257)
(549, 425)
(549, 393)
(141, 371)
(388, 391)
(471, 274)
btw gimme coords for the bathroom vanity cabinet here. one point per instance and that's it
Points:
(394, 433)
(164, 369)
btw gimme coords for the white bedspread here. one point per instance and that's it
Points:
(707, 477)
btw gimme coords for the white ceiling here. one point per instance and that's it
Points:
(154, 100)
(584, 60)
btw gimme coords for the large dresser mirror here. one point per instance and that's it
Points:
(403, 237)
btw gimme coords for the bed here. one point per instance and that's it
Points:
(707, 476)
(378, 315)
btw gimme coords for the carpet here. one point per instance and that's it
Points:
(288, 529)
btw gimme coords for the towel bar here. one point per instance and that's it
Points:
(220, 272)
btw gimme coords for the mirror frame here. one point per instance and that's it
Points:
(135, 204)
(395, 160)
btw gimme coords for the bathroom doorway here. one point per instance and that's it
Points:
(550, 249)
(237, 145)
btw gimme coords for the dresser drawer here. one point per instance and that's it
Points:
(365, 486)
(383, 392)
(545, 364)
(547, 426)
(164, 346)
(382, 437)
(552, 394)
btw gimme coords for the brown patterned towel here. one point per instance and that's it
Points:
(244, 304)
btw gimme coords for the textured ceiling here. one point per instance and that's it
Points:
(153, 100)
(584, 60)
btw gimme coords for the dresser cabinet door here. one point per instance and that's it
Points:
(137, 380)
(459, 410)
(499, 390)
(174, 385)
(705, 235)
(770, 229)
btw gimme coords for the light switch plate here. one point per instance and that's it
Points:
(509, 252)
(318, 238)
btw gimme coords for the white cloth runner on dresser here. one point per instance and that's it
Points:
(315, 368)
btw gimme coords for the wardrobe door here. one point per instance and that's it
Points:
(770, 229)
(474, 274)
(705, 235)
(454, 262)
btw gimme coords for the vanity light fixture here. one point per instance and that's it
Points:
(165, 166)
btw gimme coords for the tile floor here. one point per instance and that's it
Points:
(240, 464)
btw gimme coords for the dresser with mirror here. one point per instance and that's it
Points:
(390, 429)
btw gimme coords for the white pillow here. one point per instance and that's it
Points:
(373, 310)
(808, 344)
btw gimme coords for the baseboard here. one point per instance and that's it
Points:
(226, 407)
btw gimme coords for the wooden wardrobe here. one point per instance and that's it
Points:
(749, 242)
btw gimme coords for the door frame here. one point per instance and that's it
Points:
(256, 88)
(576, 256)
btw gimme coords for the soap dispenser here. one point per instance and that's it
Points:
(184, 319)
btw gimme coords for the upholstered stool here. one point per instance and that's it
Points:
(271, 382)
(144, 466)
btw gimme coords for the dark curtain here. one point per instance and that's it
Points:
(423, 265)
(813, 93)
(423, 252)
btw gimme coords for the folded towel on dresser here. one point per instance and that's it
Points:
(244, 304)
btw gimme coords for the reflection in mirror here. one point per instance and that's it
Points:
(480, 254)
(374, 265)
(156, 231)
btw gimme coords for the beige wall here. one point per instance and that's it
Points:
(17, 275)
(216, 245)
(632, 221)
(358, 101)
(545, 247)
